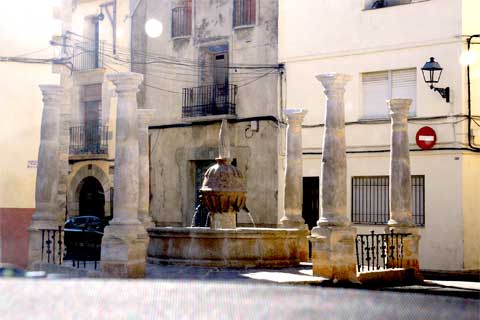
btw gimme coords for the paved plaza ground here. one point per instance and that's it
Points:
(172, 292)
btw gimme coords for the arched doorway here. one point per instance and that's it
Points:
(91, 198)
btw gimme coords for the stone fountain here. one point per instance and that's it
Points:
(223, 244)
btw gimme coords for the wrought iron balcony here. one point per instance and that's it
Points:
(209, 100)
(181, 21)
(88, 139)
(87, 55)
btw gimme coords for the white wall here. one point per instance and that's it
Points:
(441, 245)
(342, 37)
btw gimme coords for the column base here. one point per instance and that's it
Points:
(333, 253)
(124, 251)
(289, 222)
(411, 245)
(225, 220)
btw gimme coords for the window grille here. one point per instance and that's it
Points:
(244, 12)
(370, 200)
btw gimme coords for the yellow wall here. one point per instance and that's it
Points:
(471, 209)
(25, 26)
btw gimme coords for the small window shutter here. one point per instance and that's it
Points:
(404, 85)
(375, 93)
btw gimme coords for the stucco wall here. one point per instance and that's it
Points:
(174, 150)
(344, 26)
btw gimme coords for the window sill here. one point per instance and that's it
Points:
(366, 119)
(187, 37)
(395, 5)
(209, 118)
(246, 26)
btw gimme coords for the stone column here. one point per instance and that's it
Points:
(125, 241)
(47, 209)
(144, 118)
(401, 218)
(292, 216)
(333, 249)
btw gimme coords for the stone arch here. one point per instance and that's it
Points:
(88, 170)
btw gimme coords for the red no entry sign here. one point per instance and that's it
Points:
(426, 138)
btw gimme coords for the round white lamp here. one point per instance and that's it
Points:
(153, 28)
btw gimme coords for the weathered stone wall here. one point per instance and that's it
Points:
(212, 26)
(173, 152)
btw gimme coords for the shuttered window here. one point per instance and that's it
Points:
(378, 87)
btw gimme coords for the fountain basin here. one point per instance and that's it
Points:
(240, 247)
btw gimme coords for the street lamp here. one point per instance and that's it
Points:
(432, 71)
(153, 28)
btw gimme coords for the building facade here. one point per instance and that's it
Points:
(384, 45)
(214, 60)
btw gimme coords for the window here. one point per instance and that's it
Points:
(370, 200)
(380, 86)
(244, 12)
(182, 20)
(377, 4)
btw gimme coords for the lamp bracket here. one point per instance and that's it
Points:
(444, 92)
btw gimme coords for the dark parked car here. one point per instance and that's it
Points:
(90, 223)
(83, 238)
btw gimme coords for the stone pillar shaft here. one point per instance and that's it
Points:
(401, 217)
(124, 244)
(400, 179)
(125, 179)
(333, 249)
(46, 187)
(294, 171)
(333, 190)
(144, 117)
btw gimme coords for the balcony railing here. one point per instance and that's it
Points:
(88, 139)
(87, 55)
(209, 100)
(181, 21)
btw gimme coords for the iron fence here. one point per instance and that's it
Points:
(209, 100)
(379, 251)
(244, 12)
(88, 55)
(89, 139)
(182, 21)
(78, 246)
(52, 245)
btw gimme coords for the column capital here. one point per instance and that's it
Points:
(333, 81)
(399, 106)
(144, 116)
(126, 82)
(52, 94)
(295, 114)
